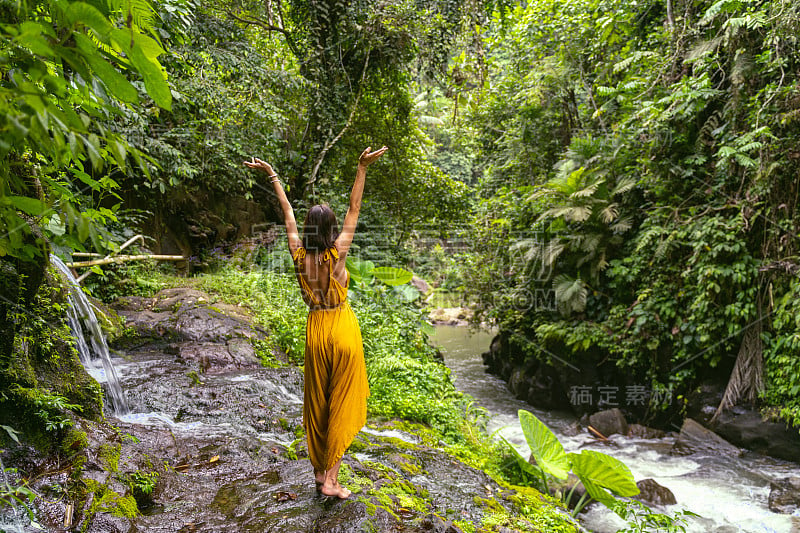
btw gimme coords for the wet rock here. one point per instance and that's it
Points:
(421, 285)
(653, 493)
(748, 429)
(609, 422)
(437, 524)
(538, 384)
(186, 314)
(450, 316)
(694, 438)
(784, 496)
(353, 517)
(644, 432)
(220, 357)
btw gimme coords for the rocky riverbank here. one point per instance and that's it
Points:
(215, 443)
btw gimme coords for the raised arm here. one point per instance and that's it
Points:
(351, 218)
(288, 213)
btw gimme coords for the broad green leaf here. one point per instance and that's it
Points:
(117, 84)
(120, 151)
(31, 206)
(524, 463)
(91, 17)
(596, 469)
(545, 448)
(360, 271)
(392, 276)
(407, 293)
(56, 226)
(92, 143)
(155, 78)
(31, 37)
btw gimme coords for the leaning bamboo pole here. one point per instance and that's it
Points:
(123, 258)
(114, 258)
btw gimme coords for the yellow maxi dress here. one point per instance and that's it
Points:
(336, 387)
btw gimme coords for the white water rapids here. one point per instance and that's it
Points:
(730, 494)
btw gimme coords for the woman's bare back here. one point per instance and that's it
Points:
(317, 275)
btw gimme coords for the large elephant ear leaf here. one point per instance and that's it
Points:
(545, 448)
(360, 271)
(523, 463)
(599, 471)
(392, 276)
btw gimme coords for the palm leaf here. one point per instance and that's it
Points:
(570, 293)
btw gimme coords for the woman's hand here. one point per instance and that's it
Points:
(261, 165)
(367, 157)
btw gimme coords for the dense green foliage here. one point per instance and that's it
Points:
(612, 183)
(63, 82)
(640, 164)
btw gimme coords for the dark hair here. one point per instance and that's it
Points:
(320, 228)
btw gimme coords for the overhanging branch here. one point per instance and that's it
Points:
(268, 27)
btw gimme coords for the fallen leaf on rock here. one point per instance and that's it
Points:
(283, 496)
(214, 459)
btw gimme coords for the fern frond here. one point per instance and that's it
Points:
(609, 213)
(624, 185)
(578, 213)
(622, 225)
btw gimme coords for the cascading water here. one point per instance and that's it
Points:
(97, 360)
(729, 494)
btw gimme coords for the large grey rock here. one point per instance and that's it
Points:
(748, 429)
(421, 285)
(695, 438)
(784, 495)
(644, 432)
(609, 422)
(652, 493)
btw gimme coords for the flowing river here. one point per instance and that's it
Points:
(729, 494)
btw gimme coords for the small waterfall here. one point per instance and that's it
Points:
(97, 360)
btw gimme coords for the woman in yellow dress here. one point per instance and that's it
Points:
(336, 388)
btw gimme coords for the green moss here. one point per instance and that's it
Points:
(107, 501)
(385, 471)
(195, 377)
(355, 482)
(109, 456)
(124, 506)
(465, 526)
(75, 441)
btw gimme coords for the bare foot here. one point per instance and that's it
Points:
(335, 490)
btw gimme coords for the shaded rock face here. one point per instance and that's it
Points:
(695, 438)
(784, 496)
(539, 385)
(652, 493)
(609, 422)
(747, 428)
(187, 224)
